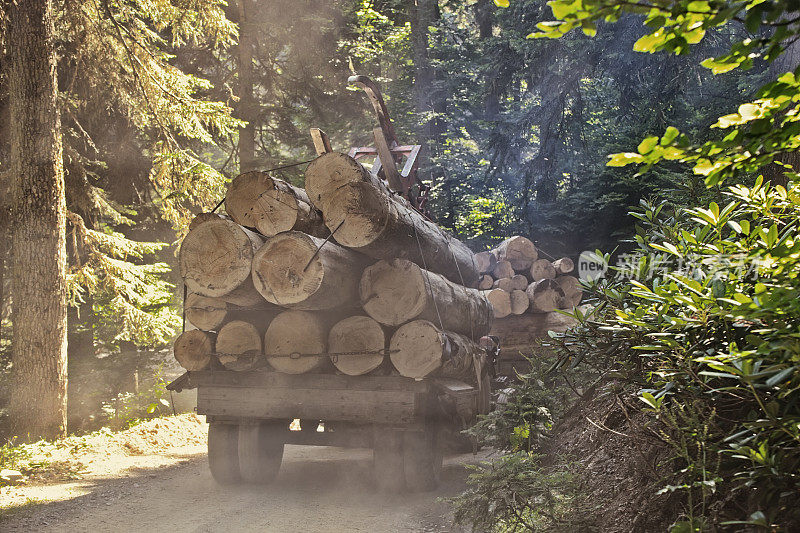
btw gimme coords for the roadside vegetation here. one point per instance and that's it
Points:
(689, 350)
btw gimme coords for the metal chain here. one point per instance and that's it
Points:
(297, 355)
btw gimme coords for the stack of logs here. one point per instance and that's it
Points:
(519, 281)
(525, 291)
(342, 276)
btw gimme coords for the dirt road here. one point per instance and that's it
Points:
(318, 490)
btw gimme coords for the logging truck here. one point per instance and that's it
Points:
(253, 415)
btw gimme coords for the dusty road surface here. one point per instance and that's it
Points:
(318, 490)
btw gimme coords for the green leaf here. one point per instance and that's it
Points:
(647, 145)
(501, 3)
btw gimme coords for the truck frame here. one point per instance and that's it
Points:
(404, 421)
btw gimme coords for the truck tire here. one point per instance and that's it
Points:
(387, 461)
(223, 452)
(260, 451)
(422, 460)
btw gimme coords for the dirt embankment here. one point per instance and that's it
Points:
(154, 477)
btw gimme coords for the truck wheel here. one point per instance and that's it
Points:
(260, 451)
(387, 461)
(422, 460)
(223, 452)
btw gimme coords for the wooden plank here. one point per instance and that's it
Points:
(321, 404)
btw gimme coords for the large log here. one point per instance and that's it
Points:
(271, 206)
(357, 334)
(542, 269)
(519, 302)
(216, 255)
(565, 265)
(573, 292)
(205, 313)
(209, 314)
(500, 301)
(239, 346)
(419, 349)
(292, 339)
(193, 349)
(364, 216)
(485, 262)
(329, 172)
(519, 333)
(397, 291)
(544, 296)
(299, 271)
(503, 269)
(517, 250)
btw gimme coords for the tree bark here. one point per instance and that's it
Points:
(299, 271)
(271, 206)
(39, 354)
(397, 291)
(363, 215)
(420, 349)
(357, 334)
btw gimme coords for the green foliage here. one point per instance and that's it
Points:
(710, 333)
(128, 408)
(517, 493)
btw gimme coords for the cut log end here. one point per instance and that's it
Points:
(193, 350)
(356, 213)
(519, 302)
(544, 296)
(485, 262)
(542, 269)
(519, 251)
(215, 257)
(503, 269)
(417, 349)
(501, 302)
(486, 282)
(205, 313)
(357, 334)
(239, 346)
(565, 265)
(393, 291)
(329, 172)
(296, 332)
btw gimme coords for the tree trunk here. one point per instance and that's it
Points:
(363, 215)
(485, 262)
(357, 334)
(520, 332)
(573, 292)
(501, 302)
(503, 269)
(422, 350)
(542, 269)
(486, 282)
(301, 333)
(519, 251)
(565, 265)
(216, 256)
(544, 295)
(39, 354)
(298, 271)
(397, 291)
(330, 171)
(246, 108)
(272, 206)
(519, 302)
(193, 349)
(239, 346)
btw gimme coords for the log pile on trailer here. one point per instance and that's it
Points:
(342, 277)
(526, 291)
